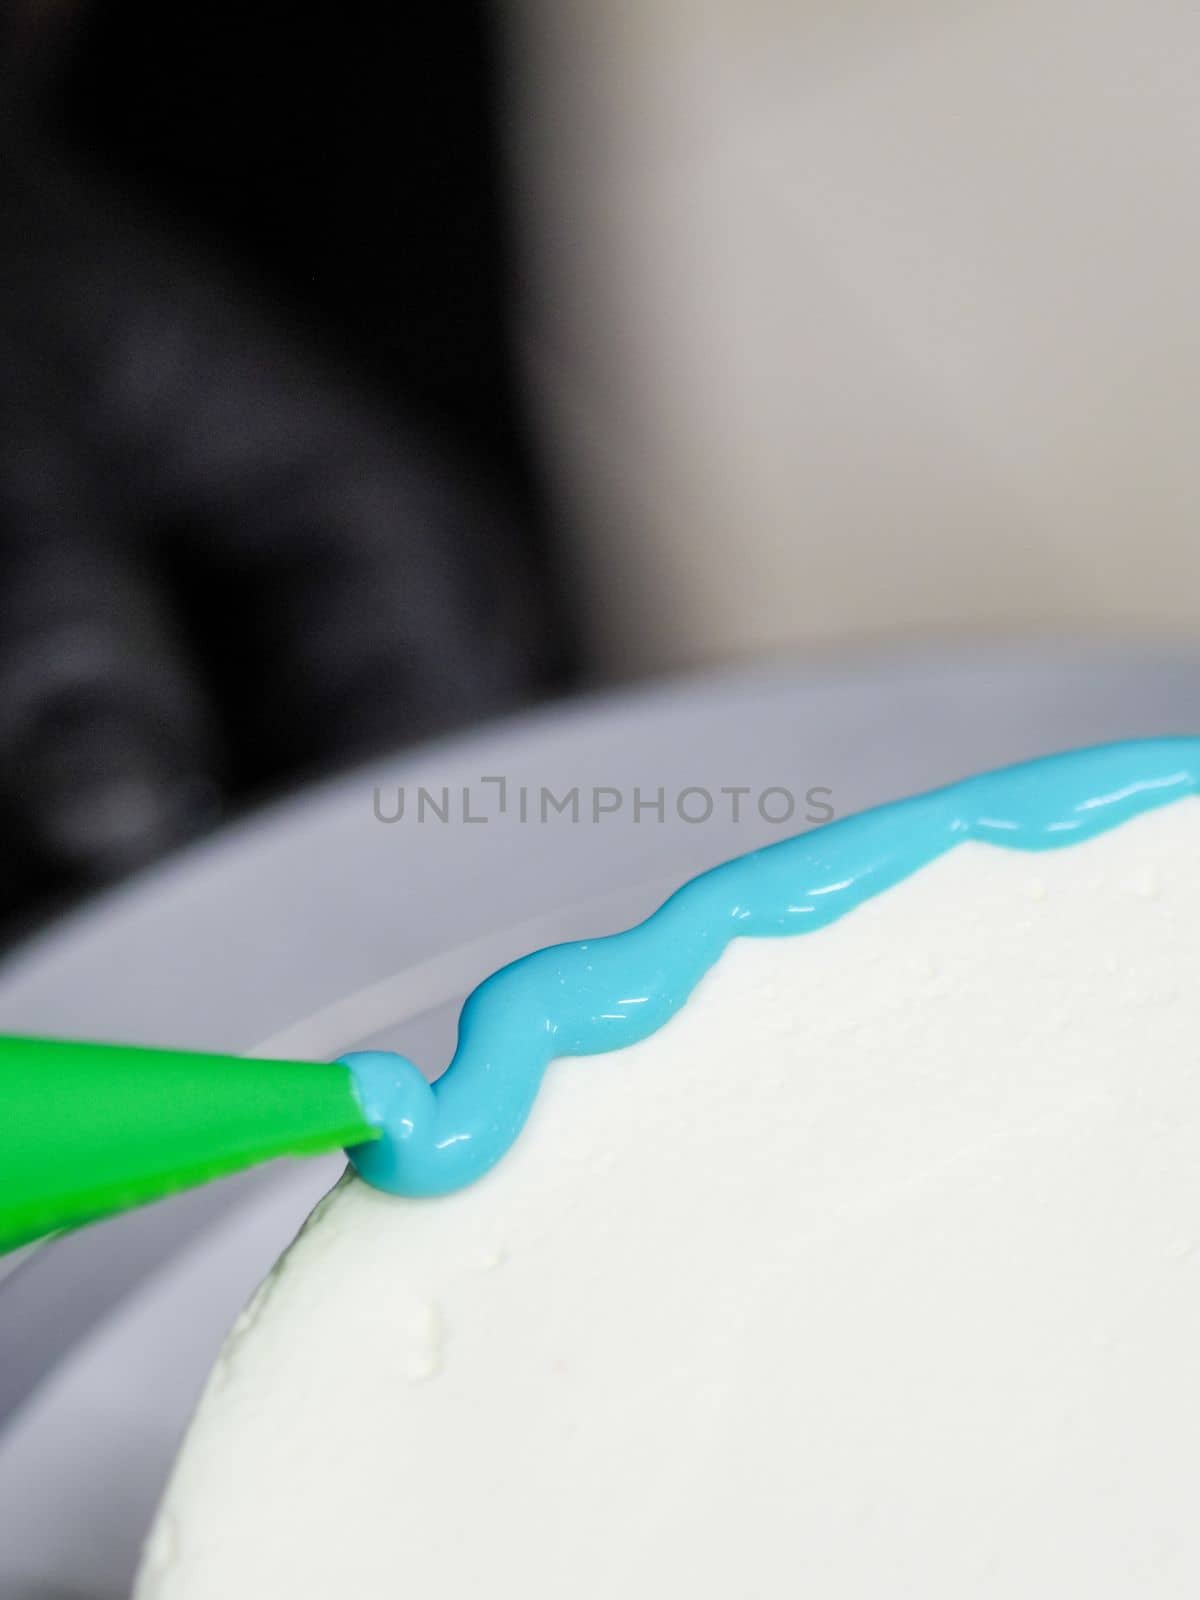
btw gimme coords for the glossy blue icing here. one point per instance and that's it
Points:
(580, 999)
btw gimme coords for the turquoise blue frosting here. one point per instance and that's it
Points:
(601, 994)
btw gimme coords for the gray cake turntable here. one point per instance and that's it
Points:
(356, 925)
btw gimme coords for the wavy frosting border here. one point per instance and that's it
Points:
(597, 995)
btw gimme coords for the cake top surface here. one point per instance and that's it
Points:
(872, 1269)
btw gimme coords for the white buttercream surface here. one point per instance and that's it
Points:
(875, 1272)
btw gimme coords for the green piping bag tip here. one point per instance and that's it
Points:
(87, 1130)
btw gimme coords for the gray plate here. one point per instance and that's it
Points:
(318, 928)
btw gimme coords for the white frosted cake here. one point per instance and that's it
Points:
(872, 1269)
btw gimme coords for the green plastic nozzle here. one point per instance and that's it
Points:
(87, 1130)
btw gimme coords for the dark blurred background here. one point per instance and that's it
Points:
(268, 501)
(819, 326)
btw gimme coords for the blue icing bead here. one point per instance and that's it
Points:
(600, 994)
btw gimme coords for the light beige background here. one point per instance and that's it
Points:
(849, 318)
